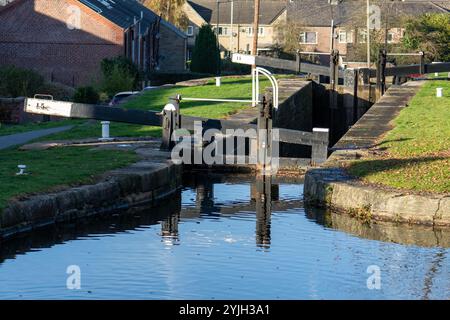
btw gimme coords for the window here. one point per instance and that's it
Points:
(223, 31)
(249, 31)
(390, 37)
(345, 37)
(308, 37)
(362, 35)
(190, 31)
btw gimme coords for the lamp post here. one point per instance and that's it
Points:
(231, 26)
(255, 30)
(368, 34)
(217, 36)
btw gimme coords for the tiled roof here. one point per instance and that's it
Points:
(270, 10)
(123, 12)
(320, 12)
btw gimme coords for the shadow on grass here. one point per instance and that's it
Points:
(381, 146)
(365, 168)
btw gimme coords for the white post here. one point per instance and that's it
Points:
(254, 93)
(218, 82)
(439, 92)
(105, 131)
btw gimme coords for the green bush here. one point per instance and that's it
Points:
(57, 91)
(119, 74)
(86, 95)
(206, 55)
(124, 64)
(17, 82)
(430, 33)
(116, 81)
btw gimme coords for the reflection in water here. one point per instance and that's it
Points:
(227, 237)
(263, 193)
(114, 223)
(424, 236)
(169, 229)
(436, 265)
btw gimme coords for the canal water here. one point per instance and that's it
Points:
(227, 238)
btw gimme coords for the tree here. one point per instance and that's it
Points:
(86, 95)
(119, 74)
(430, 33)
(206, 55)
(170, 10)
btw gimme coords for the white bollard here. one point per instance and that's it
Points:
(218, 81)
(448, 75)
(436, 74)
(105, 131)
(439, 92)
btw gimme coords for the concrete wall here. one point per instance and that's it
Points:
(340, 119)
(294, 112)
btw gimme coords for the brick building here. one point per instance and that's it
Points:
(235, 21)
(308, 23)
(318, 20)
(66, 40)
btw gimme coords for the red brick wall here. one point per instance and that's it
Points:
(172, 50)
(34, 34)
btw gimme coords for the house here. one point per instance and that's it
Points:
(66, 40)
(314, 19)
(234, 20)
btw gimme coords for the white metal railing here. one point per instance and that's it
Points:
(255, 85)
(217, 100)
(255, 90)
(405, 54)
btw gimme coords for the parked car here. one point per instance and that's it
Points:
(119, 97)
(158, 87)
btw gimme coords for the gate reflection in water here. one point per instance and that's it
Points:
(263, 193)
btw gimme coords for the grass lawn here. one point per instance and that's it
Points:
(55, 167)
(416, 153)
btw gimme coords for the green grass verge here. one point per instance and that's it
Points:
(55, 167)
(416, 153)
